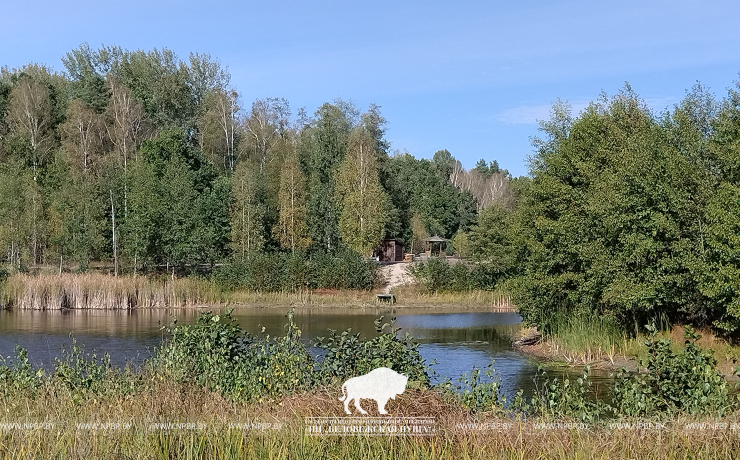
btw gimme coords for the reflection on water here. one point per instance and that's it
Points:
(456, 341)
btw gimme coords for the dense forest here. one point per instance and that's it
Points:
(143, 160)
(628, 215)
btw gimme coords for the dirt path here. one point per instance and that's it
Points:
(395, 275)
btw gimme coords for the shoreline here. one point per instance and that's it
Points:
(104, 292)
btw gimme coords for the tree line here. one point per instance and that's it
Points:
(626, 214)
(142, 159)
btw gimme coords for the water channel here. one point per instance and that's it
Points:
(457, 341)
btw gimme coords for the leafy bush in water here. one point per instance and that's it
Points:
(349, 356)
(563, 398)
(85, 374)
(217, 354)
(280, 272)
(475, 393)
(686, 382)
(18, 376)
(79, 371)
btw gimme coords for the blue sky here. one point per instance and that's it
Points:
(471, 77)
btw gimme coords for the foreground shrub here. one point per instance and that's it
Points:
(347, 355)
(566, 398)
(17, 376)
(217, 354)
(476, 393)
(685, 382)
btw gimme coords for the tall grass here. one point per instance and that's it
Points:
(497, 300)
(219, 437)
(580, 339)
(101, 291)
(97, 291)
(586, 338)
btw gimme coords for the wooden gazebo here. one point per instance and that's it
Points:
(435, 245)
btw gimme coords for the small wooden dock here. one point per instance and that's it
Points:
(390, 298)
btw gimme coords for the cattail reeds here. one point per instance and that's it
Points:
(98, 291)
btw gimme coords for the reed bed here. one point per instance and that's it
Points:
(102, 291)
(98, 291)
(416, 295)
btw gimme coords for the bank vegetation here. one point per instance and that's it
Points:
(213, 391)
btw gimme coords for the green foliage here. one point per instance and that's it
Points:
(668, 384)
(217, 354)
(177, 207)
(438, 275)
(566, 398)
(362, 221)
(434, 274)
(347, 355)
(85, 373)
(625, 216)
(417, 187)
(687, 382)
(18, 376)
(475, 392)
(281, 272)
(325, 145)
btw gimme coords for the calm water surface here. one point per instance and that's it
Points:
(456, 341)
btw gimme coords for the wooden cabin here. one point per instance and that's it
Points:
(390, 250)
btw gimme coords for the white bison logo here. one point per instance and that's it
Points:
(380, 384)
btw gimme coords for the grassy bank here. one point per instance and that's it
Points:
(100, 291)
(97, 291)
(276, 429)
(214, 391)
(596, 341)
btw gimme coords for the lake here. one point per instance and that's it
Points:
(457, 341)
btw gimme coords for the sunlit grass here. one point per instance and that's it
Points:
(218, 436)
(101, 291)
(587, 339)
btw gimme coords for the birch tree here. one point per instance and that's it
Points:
(291, 230)
(127, 125)
(363, 201)
(247, 212)
(82, 134)
(29, 114)
(267, 120)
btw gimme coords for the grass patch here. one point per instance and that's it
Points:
(275, 430)
(419, 295)
(101, 291)
(592, 339)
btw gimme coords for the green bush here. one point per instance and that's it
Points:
(565, 398)
(18, 376)
(81, 371)
(685, 382)
(475, 393)
(435, 274)
(348, 356)
(217, 354)
(281, 272)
